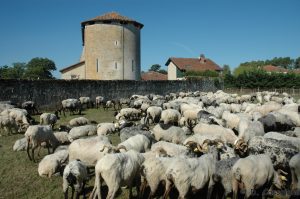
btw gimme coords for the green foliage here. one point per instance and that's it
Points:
(15, 72)
(285, 62)
(40, 68)
(155, 67)
(162, 71)
(261, 79)
(36, 68)
(226, 69)
(297, 63)
(207, 73)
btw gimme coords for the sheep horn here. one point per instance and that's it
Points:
(121, 147)
(282, 172)
(189, 143)
(283, 178)
(198, 148)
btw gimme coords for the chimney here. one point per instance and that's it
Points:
(202, 58)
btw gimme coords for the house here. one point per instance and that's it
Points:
(153, 75)
(178, 66)
(276, 69)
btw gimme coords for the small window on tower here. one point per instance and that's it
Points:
(116, 43)
(132, 65)
(116, 65)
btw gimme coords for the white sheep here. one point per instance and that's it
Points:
(117, 170)
(89, 150)
(169, 133)
(62, 137)
(52, 163)
(294, 164)
(106, 128)
(48, 119)
(75, 175)
(172, 149)
(170, 116)
(20, 144)
(81, 131)
(128, 113)
(78, 121)
(8, 124)
(153, 114)
(295, 141)
(36, 135)
(139, 143)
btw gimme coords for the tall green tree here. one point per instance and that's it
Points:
(40, 68)
(155, 67)
(16, 71)
(226, 69)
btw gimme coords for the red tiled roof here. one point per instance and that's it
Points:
(72, 67)
(271, 68)
(152, 75)
(113, 16)
(194, 64)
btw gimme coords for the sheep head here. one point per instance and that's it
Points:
(241, 147)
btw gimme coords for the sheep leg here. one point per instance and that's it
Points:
(111, 193)
(27, 149)
(235, 188)
(142, 189)
(72, 191)
(167, 189)
(294, 179)
(92, 193)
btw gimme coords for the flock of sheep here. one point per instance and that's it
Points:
(216, 144)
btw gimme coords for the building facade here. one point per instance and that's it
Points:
(111, 49)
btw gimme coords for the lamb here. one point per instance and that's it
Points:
(8, 124)
(294, 164)
(170, 116)
(48, 119)
(52, 163)
(153, 114)
(117, 170)
(89, 150)
(139, 143)
(254, 172)
(79, 121)
(168, 133)
(75, 176)
(106, 128)
(81, 131)
(193, 173)
(36, 135)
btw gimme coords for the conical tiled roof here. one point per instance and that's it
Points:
(112, 16)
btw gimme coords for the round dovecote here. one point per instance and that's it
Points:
(112, 47)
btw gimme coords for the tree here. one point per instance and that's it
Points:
(15, 72)
(297, 63)
(163, 71)
(226, 69)
(40, 68)
(155, 67)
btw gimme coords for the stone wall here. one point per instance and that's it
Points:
(49, 93)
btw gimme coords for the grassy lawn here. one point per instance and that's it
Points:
(19, 177)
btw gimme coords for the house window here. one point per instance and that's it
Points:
(97, 65)
(74, 76)
(132, 65)
(116, 65)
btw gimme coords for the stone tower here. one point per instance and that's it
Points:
(111, 48)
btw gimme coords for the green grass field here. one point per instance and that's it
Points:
(19, 177)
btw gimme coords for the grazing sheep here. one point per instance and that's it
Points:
(81, 131)
(173, 150)
(128, 114)
(20, 144)
(281, 137)
(128, 132)
(117, 170)
(99, 101)
(78, 121)
(280, 152)
(191, 173)
(248, 129)
(168, 133)
(8, 124)
(254, 172)
(75, 176)
(85, 101)
(295, 171)
(48, 119)
(52, 163)
(89, 150)
(170, 116)
(153, 114)
(71, 105)
(19, 115)
(62, 137)
(36, 135)
(153, 172)
(30, 107)
(139, 143)
(106, 128)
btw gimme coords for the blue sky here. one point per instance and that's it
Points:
(227, 31)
